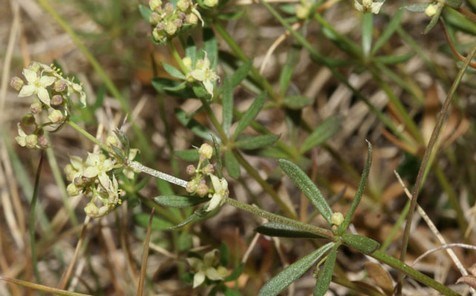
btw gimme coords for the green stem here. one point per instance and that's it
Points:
(428, 152)
(32, 218)
(87, 135)
(265, 185)
(416, 275)
(280, 219)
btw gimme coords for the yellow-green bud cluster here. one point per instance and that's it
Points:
(53, 95)
(167, 20)
(303, 9)
(204, 183)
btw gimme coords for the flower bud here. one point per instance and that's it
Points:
(191, 170)
(191, 19)
(56, 100)
(205, 151)
(72, 190)
(60, 85)
(42, 142)
(170, 28)
(202, 190)
(337, 218)
(169, 9)
(191, 186)
(210, 3)
(431, 10)
(155, 4)
(36, 107)
(16, 83)
(91, 210)
(208, 169)
(31, 141)
(56, 116)
(183, 5)
(155, 18)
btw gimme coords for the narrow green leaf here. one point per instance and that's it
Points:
(232, 165)
(227, 104)
(360, 243)
(360, 191)
(293, 272)
(284, 230)
(394, 59)
(389, 30)
(302, 181)
(325, 274)
(417, 7)
(288, 69)
(189, 155)
(250, 114)
(240, 74)
(296, 102)
(251, 143)
(197, 216)
(210, 46)
(433, 21)
(176, 201)
(459, 21)
(145, 12)
(158, 224)
(172, 71)
(322, 133)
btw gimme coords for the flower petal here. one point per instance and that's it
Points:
(47, 80)
(30, 75)
(43, 95)
(27, 90)
(198, 279)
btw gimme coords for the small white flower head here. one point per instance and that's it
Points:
(220, 188)
(98, 165)
(337, 218)
(369, 6)
(202, 72)
(37, 81)
(207, 268)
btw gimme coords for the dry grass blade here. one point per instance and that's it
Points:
(42, 288)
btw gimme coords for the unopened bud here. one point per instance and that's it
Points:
(72, 190)
(210, 3)
(202, 190)
(431, 10)
(60, 85)
(31, 141)
(42, 142)
(155, 4)
(208, 169)
(36, 107)
(191, 19)
(183, 5)
(191, 170)
(170, 28)
(57, 100)
(16, 83)
(191, 186)
(56, 116)
(205, 151)
(337, 218)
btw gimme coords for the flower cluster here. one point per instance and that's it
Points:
(97, 178)
(167, 20)
(369, 6)
(200, 71)
(198, 185)
(209, 268)
(53, 98)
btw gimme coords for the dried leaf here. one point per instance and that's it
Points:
(469, 280)
(380, 276)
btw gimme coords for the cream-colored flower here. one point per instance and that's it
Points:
(368, 6)
(204, 74)
(97, 165)
(220, 188)
(207, 268)
(37, 84)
